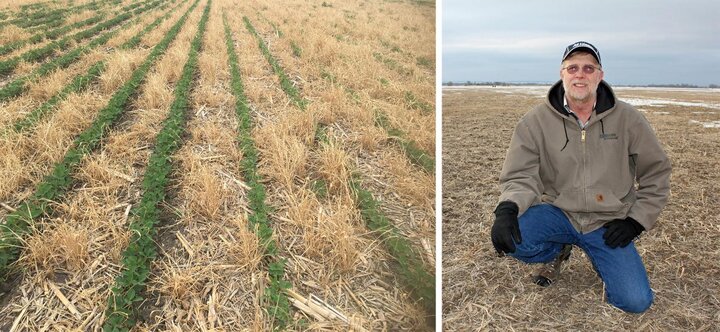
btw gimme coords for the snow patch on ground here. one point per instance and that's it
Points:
(710, 124)
(533, 90)
(541, 91)
(665, 102)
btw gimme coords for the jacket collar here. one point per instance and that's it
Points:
(605, 98)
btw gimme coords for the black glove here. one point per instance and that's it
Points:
(620, 232)
(506, 227)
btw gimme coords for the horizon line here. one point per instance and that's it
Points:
(678, 85)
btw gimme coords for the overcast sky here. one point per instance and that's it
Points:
(640, 41)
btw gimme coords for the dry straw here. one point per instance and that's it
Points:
(12, 33)
(210, 273)
(207, 274)
(265, 24)
(109, 211)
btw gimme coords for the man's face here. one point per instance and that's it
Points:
(581, 86)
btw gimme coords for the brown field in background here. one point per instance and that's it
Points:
(484, 292)
(348, 60)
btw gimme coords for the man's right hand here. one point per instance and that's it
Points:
(505, 228)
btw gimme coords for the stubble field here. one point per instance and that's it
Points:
(217, 165)
(484, 292)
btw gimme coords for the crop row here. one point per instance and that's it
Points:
(141, 250)
(285, 82)
(411, 149)
(59, 180)
(414, 153)
(80, 82)
(18, 85)
(48, 35)
(40, 17)
(412, 269)
(259, 220)
(39, 54)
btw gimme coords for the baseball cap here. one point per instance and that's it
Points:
(585, 46)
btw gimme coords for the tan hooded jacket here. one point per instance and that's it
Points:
(612, 169)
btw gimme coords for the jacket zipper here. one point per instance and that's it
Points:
(584, 158)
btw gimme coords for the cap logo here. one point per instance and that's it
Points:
(582, 44)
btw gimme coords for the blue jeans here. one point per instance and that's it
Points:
(545, 229)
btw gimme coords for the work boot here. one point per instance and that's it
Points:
(548, 272)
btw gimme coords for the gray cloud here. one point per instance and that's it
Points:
(641, 42)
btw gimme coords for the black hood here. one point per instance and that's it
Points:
(605, 98)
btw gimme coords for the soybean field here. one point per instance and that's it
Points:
(217, 165)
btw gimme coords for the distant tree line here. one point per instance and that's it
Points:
(691, 86)
(471, 83)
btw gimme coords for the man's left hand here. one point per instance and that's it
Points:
(620, 232)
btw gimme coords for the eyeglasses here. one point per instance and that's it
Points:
(587, 69)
